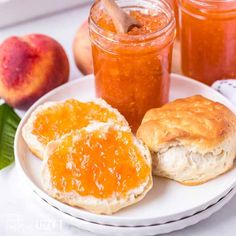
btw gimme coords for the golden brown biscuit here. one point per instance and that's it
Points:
(192, 139)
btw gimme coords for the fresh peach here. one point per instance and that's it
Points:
(30, 66)
(82, 50)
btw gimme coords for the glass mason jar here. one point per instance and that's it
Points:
(208, 39)
(132, 71)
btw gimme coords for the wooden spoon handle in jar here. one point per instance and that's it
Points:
(122, 21)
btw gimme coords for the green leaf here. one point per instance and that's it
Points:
(9, 121)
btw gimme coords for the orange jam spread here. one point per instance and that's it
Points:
(208, 42)
(98, 163)
(132, 69)
(61, 118)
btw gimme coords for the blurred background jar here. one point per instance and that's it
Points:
(176, 50)
(174, 5)
(208, 39)
(132, 70)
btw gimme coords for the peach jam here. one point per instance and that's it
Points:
(98, 164)
(132, 69)
(208, 39)
(62, 118)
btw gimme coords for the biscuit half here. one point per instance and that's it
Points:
(68, 112)
(88, 178)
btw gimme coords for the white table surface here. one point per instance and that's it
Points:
(19, 213)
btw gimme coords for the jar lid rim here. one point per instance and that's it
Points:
(116, 37)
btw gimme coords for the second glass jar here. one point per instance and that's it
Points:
(208, 39)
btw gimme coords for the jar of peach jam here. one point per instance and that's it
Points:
(208, 39)
(132, 69)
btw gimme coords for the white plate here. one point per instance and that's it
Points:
(138, 231)
(167, 201)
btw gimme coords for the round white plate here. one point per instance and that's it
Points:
(138, 231)
(167, 201)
